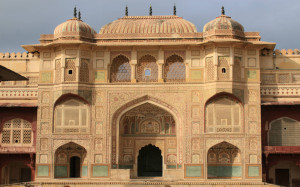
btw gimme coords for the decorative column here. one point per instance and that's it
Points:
(63, 65)
(160, 63)
(216, 62)
(107, 64)
(77, 66)
(188, 59)
(231, 63)
(133, 63)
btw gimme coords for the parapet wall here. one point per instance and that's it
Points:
(19, 55)
(284, 52)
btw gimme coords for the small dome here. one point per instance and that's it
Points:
(149, 25)
(74, 27)
(223, 25)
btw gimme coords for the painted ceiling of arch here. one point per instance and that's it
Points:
(147, 109)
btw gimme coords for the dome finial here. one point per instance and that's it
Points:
(75, 12)
(223, 10)
(126, 10)
(150, 10)
(79, 15)
(174, 9)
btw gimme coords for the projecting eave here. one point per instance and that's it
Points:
(38, 47)
(261, 44)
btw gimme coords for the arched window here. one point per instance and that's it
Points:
(223, 115)
(84, 71)
(71, 117)
(284, 132)
(174, 69)
(120, 70)
(147, 70)
(16, 132)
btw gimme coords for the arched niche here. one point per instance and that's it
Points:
(71, 116)
(224, 114)
(224, 161)
(68, 160)
(174, 69)
(116, 145)
(284, 131)
(120, 70)
(145, 121)
(147, 69)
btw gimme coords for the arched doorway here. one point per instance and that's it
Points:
(69, 158)
(224, 161)
(150, 162)
(74, 167)
(142, 125)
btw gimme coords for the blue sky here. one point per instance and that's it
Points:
(22, 21)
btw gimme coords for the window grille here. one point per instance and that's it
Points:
(120, 70)
(71, 117)
(147, 62)
(174, 69)
(223, 115)
(16, 132)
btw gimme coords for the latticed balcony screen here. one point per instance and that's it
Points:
(71, 117)
(174, 69)
(223, 115)
(120, 70)
(16, 132)
(147, 70)
(84, 71)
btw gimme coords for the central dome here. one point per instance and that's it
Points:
(149, 25)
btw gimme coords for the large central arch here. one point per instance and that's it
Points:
(153, 139)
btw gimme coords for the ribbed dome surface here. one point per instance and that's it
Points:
(149, 25)
(223, 22)
(74, 27)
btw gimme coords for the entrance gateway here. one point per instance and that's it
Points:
(150, 162)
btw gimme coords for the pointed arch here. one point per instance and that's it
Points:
(224, 161)
(115, 120)
(224, 113)
(68, 160)
(71, 115)
(147, 69)
(174, 69)
(120, 69)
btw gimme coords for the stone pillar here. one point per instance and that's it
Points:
(133, 63)
(188, 60)
(107, 64)
(63, 65)
(160, 63)
(77, 66)
(231, 63)
(216, 62)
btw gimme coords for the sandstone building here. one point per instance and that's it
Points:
(150, 97)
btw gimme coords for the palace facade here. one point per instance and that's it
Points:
(149, 98)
